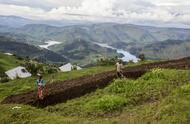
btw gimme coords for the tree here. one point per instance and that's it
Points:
(141, 56)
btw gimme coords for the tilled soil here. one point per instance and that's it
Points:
(61, 91)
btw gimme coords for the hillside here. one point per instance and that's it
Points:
(159, 96)
(106, 32)
(83, 51)
(168, 49)
(8, 62)
(132, 38)
(24, 50)
(16, 21)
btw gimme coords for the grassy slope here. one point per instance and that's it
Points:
(7, 62)
(160, 96)
(23, 85)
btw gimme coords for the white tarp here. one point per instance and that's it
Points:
(19, 71)
(10, 54)
(79, 68)
(68, 67)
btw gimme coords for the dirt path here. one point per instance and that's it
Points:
(61, 91)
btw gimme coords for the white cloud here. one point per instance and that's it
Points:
(23, 11)
(131, 11)
(170, 2)
(44, 4)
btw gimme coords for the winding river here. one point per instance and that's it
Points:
(49, 43)
(126, 55)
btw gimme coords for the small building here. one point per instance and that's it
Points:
(18, 72)
(69, 67)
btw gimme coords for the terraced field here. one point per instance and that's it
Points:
(61, 91)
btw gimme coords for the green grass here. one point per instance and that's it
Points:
(175, 109)
(7, 62)
(23, 85)
(151, 87)
(161, 96)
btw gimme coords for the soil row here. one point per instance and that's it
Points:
(62, 91)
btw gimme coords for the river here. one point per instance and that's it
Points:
(126, 55)
(49, 43)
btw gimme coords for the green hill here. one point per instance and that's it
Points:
(133, 38)
(84, 52)
(168, 49)
(161, 96)
(7, 62)
(8, 44)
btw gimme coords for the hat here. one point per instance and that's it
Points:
(38, 74)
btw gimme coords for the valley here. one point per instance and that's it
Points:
(134, 39)
(95, 94)
(94, 62)
(145, 99)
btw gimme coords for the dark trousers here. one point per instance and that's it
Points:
(119, 74)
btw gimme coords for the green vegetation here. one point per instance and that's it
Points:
(23, 85)
(175, 109)
(160, 96)
(84, 52)
(8, 62)
(105, 103)
(151, 87)
(24, 50)
(165, 50)
(155, 43)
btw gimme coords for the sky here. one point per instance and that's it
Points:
(156, 12)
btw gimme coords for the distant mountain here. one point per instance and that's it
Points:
(16, 21)
(106, 33)
(83, 51)
(122, 36)
(169, 49)
(25, 50)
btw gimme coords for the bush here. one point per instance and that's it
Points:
(155, 74)
(106, 103)
(52, 70)
(33, 67)
(106, 61)
(4, 79)
(141, 57)
(120, 86)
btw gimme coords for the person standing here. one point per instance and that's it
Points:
(40, 87)
(119, 67)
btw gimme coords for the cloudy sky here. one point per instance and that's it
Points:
(161, 12)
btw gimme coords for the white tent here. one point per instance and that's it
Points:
(68, 67)
(79, 68)
(10, 54)
(19, 71)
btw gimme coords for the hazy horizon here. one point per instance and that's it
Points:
(164, 13)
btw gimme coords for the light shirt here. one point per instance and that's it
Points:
(119, 67)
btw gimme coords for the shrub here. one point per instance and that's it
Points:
(141, 57)
(106, 103)
(4, 79)
(34, 67)
(106, 61)
(155, 74)
(52, 70)
(120, 86)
